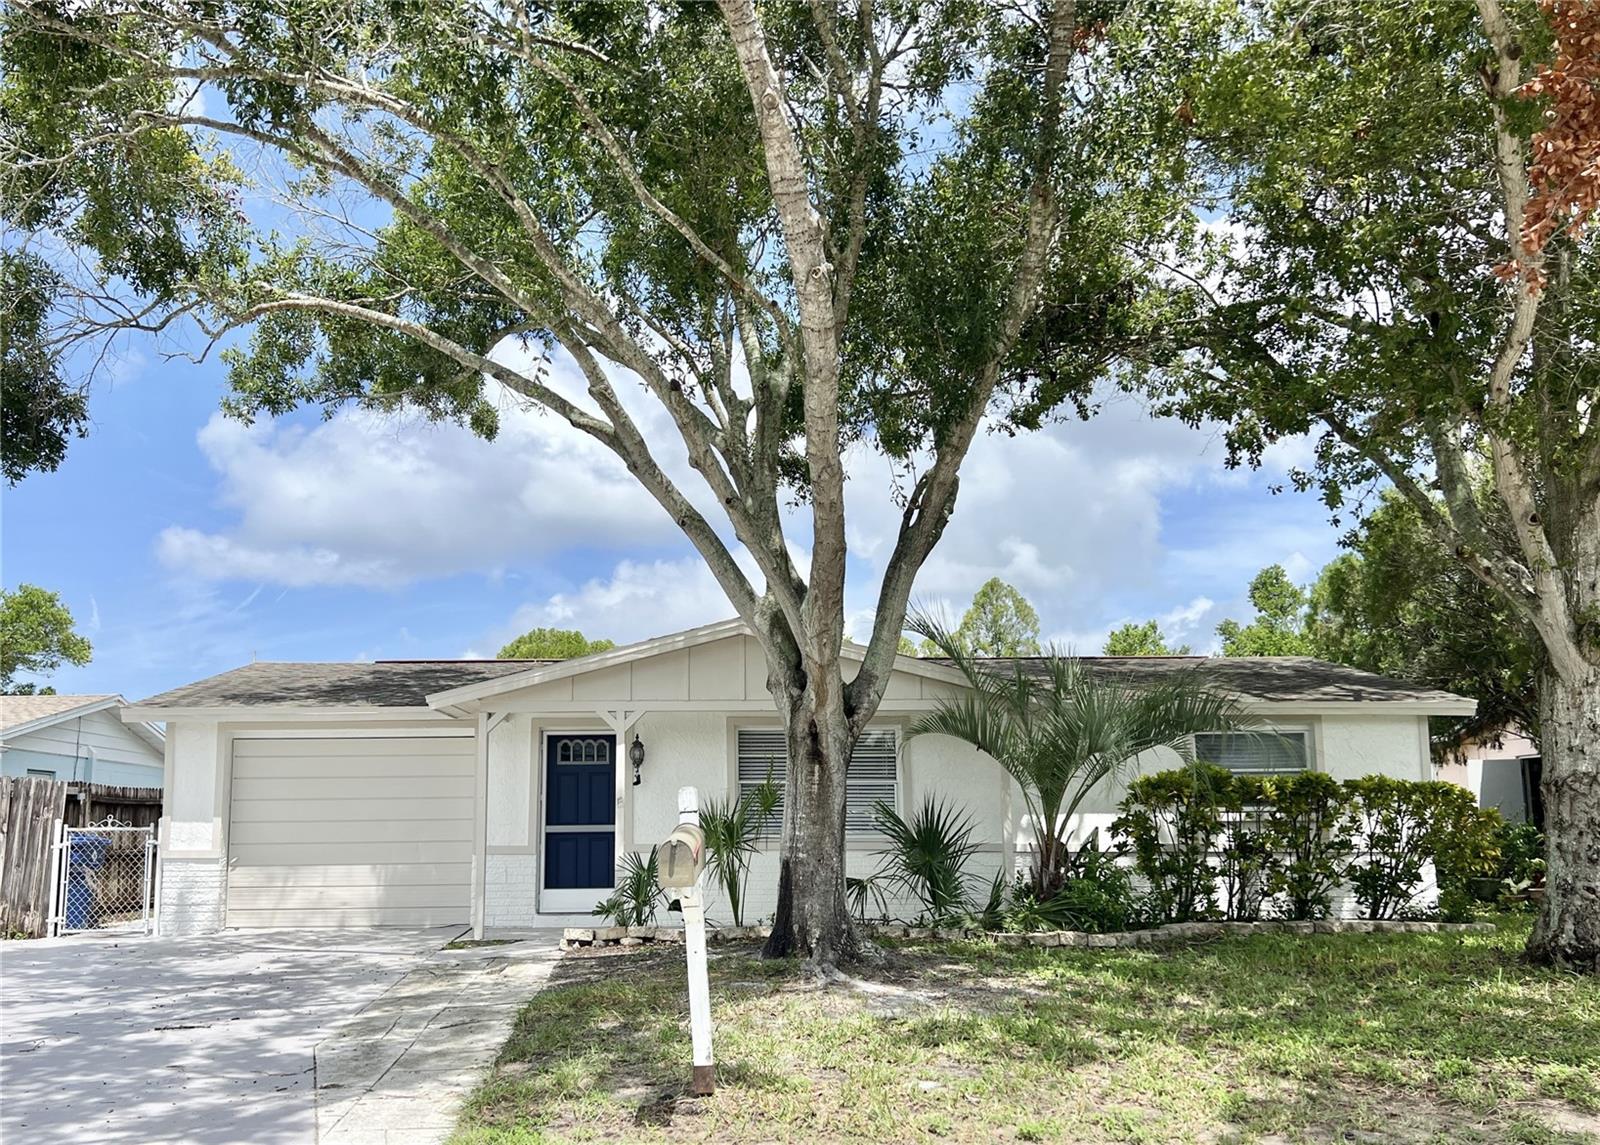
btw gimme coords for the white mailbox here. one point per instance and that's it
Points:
(681, 858)
(679, 864)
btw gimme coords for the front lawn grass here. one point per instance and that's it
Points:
(1271, 1038)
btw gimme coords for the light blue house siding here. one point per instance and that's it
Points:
(96, 748)
(21, 761)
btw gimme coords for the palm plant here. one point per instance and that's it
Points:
(637, 894)
(1060, 729)
(927, 856)
(732, 827)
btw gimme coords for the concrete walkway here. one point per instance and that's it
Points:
(251, 1038)
(397, 1072)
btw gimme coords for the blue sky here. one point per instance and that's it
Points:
(186, 544)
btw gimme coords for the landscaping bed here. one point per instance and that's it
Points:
(576, 938)
(1272, 1037)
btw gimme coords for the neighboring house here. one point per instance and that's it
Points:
(501, 793)
(78, 739)
(1503, 771)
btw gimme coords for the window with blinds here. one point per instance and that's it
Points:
(873, 775)
(1255, 753)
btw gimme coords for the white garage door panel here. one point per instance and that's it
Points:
(358, 875)
(340, 854)
(341, 898)
(321, 830)
(335, 919)
(350, 832)
(405, 766)
(354, 790)
(345, 810)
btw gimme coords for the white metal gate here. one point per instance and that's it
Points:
(106, 880)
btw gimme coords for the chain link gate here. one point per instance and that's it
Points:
(107, 879)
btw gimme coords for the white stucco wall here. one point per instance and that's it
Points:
(687, 747)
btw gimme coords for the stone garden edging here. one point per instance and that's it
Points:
(575, 937)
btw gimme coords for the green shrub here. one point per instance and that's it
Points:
(1096, 895)
(1464, 840)
(1306, 825)
(1246, 859)
(1186, 807)
(1402, 825)
(1521, 856)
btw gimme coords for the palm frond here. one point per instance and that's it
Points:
(1060, 728)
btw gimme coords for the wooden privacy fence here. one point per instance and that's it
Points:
(29, 810)
(91, 803)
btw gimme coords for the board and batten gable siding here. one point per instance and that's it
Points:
(731, 670)
(97, 748)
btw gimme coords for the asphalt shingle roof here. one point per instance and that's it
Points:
(383, 684)
(408, 683)
(18, 710)
(1268, 678)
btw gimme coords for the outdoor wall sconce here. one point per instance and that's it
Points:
(636, 757)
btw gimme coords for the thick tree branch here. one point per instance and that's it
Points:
(933, 497)
(804, 238)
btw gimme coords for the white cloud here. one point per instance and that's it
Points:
(1097, 523)
(639, 599)
(363, 499)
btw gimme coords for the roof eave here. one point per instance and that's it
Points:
(275, 713)
(41, 722)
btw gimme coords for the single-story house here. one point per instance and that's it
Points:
(502, 793)
(78, 739)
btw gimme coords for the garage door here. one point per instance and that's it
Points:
(350, 832)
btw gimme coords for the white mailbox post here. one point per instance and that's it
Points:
(680, 866)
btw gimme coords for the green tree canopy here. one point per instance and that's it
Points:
(1393, 251)
(998, 622)
(1144, 639)
(1398, 604)
(749, 235)
(36, 637)
(552, 644)
(1278, 628)
(41, 410)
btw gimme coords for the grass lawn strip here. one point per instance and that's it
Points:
(1269, 1038)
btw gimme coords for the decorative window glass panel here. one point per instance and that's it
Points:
(873, 776)
(583, 751)
(1255, 752)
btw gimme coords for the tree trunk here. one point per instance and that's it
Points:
(1568, 931)
(813, 916)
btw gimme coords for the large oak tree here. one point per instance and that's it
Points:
(787, 228)
(1395, 198)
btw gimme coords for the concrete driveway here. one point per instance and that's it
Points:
(234, 1038)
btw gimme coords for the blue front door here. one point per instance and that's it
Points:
(580, 815)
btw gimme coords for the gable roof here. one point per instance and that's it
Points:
(20, 715)
(441, 686)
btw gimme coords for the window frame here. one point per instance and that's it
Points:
(867, 840)
(1306, 731)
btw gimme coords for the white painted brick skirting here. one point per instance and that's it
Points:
(191, 896)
